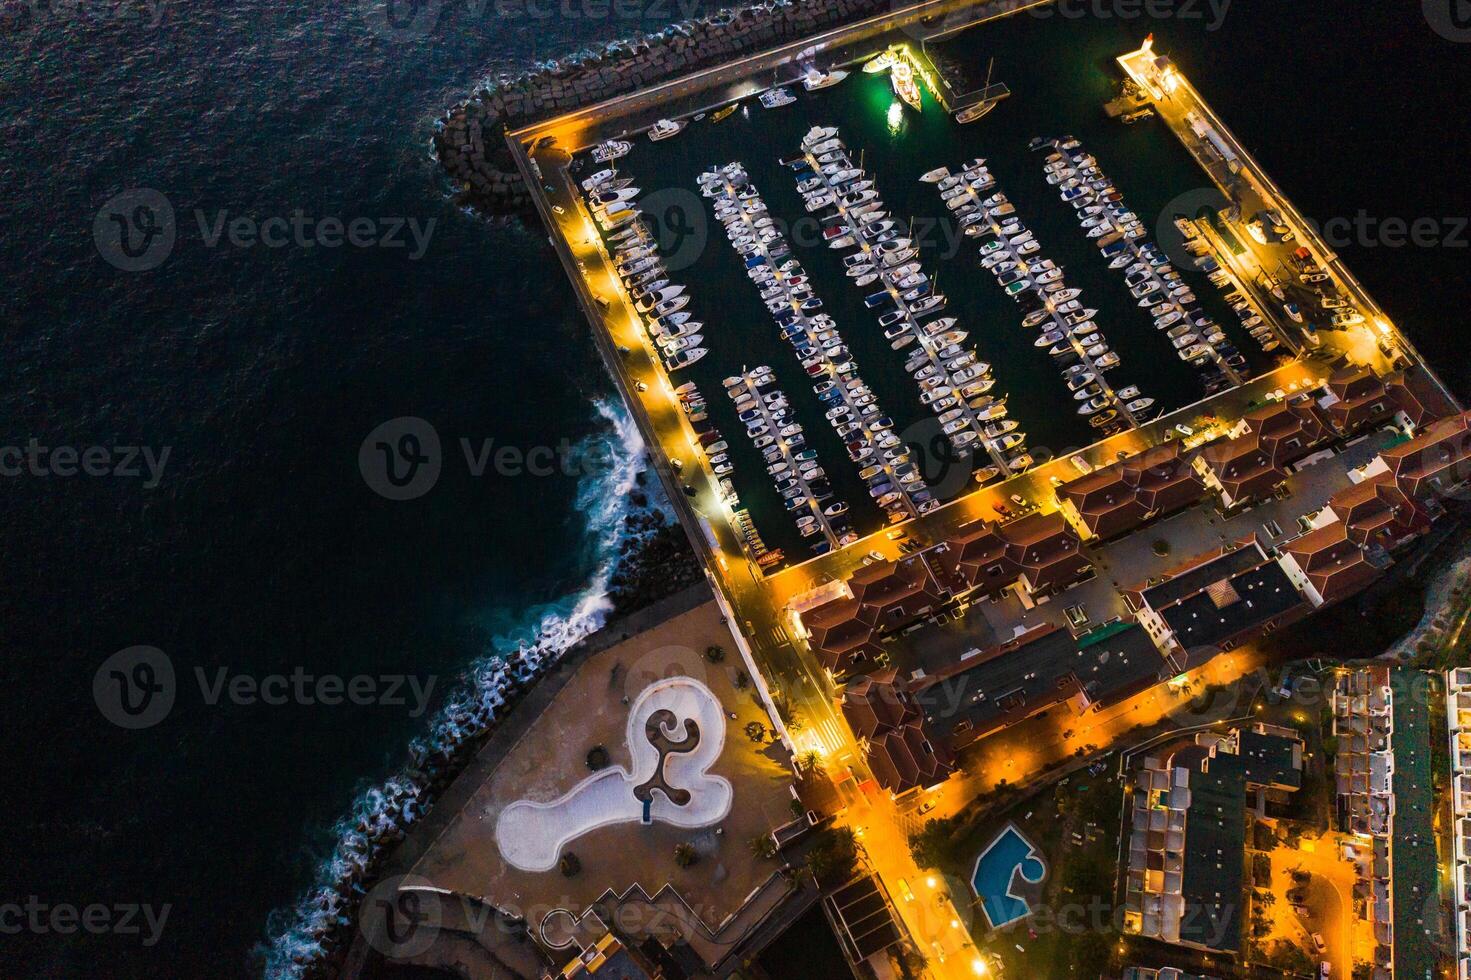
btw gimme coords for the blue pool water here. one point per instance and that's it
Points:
(996, 868)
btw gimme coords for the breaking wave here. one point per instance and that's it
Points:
(304, 937)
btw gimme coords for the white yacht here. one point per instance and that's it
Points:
(665, 128)
(814, 79)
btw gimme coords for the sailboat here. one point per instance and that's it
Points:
(973, 112)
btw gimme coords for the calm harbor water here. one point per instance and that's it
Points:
(1060, 73)
(262, 550)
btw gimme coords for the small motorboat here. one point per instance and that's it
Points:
(936, 175)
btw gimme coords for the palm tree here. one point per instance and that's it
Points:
(809, 762)
(762, 846)
(684, 855)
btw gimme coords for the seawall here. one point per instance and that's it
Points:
(470, 139)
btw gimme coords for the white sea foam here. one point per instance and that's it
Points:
(380, 812)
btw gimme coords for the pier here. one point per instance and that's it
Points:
(1137, 245)
(874, 447)
(1057, 320)
(755, 600)
(750, 389)
(927, 342)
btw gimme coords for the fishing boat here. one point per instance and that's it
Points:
(906, 86)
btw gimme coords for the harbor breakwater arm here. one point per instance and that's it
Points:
(469, 140)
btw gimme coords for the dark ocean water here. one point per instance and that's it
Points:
(261, 549)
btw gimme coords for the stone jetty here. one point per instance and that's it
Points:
(470, 142)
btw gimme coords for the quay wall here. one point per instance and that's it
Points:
(469, 139)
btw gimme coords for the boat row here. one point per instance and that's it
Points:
(1155, 285)
(1251, 321)
(952, 381)
(1066, 328)
(851, 408)
(799, 478)
(708, 440)
(661, 303)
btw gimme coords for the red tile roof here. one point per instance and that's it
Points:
(883, 715)
(1332, 561)
(1437, 461)
(1418, 396)
(886, 596)
(1254, 463)
(905, 759)
(1119, 498)
(1359, 397)
(1378, 513)
(1039, 549)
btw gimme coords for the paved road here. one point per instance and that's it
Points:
(756, 602)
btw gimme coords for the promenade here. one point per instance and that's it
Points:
(756, 605)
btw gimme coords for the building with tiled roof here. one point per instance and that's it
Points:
(889, 725)
(1040, 552)
(1419, 399)
(1435, 463)
(1328, 566)
(840, 635)
(1376, 513)
(886, 596)
(990, 690)
(1252, 463)
(1118, 498)
(1356, 397)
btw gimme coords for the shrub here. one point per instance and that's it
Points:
(569, 865)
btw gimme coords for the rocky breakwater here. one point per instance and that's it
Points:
(470, 139)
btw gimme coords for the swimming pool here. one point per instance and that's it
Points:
(1010, 854)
